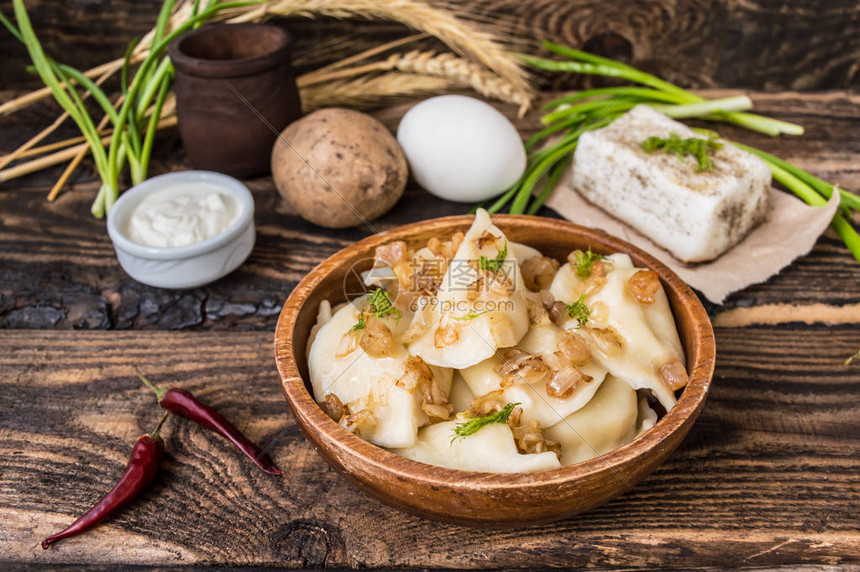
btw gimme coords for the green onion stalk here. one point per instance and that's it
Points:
(135, 122)
(568, 117)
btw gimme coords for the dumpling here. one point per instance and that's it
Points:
(460, 397)
(492, 449)
(379, 377)
(647, 416)
(606, 422)
(523, 252)
(543, 341)
(479, 306)
(635, 341)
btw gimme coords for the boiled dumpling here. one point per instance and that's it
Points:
(371, 381)
(479, 306)
(608, 421)
(647, 416)
(460, 396)
(491, 449)
(478, 325)
(636, 342)
(523, 252)
(542, 341)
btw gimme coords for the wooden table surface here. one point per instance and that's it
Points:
(769, 476)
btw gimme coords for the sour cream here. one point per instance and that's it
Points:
(181, 215)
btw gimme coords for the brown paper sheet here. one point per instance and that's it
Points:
(790, 231)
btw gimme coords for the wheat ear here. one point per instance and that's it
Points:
(460, 35)
(368, 91)
(459, 71)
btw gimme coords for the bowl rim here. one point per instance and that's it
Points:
(307, 411)
(120, 211)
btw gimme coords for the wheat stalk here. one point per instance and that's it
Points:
(465, 73)
(460, 35)
(181, 12)
(459, 71)
(485, 65)
(369, 90)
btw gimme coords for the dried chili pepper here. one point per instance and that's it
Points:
(184, 404)
(139, 473)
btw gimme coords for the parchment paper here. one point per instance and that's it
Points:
(791, 229)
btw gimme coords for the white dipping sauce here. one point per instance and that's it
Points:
(181, 215)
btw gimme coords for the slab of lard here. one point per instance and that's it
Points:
(695, 215)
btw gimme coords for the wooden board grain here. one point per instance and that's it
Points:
(59, 270)
(759, 44)
(769, 475)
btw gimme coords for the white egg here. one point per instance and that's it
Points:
(460, 148)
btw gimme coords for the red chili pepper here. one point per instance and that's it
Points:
(139, 473)
(184, 404)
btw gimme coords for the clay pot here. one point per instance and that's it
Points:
(235, 92)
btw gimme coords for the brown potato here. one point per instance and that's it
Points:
(336, 163)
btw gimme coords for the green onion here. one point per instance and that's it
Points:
(642, 93)
(554, 176)
(846, 199)
(133, 133)
(570, 116)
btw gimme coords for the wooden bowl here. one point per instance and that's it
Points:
(475, 498)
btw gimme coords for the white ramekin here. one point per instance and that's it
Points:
(184, 266)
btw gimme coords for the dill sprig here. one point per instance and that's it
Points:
(579, 311)
(470, 315)
(380, 305)
(584, 261)
(493, 264)
(360, 324)
(475, 424)
(701, 149)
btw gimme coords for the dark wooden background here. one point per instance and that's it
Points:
(767, 45)
(768, 478)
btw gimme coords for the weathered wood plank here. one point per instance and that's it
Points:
(769, 476)
(760, 44)
(59, 270)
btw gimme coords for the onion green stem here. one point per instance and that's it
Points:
(689, 110)
(503, 200)
(554, 128)
(643, 93)
(164, 68)
(595, 65)
(575, 54)
(138, 80)
(848, 235)
(617, 103)
(579, 112)
(846, 199)
(146, 151)
(59, 84)
(88, 84)
(150, 83)
(608, 70)
(842, 227)
(552, 181)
